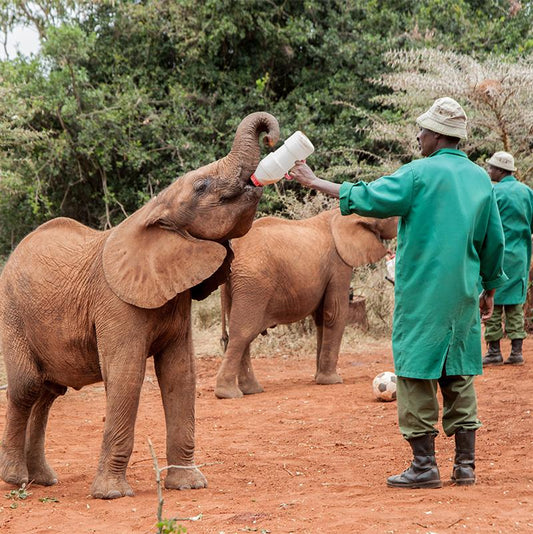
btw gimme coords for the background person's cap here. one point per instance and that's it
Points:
(502, 160)
(446, 117)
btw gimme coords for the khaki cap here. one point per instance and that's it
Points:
(446, 117)
(502, 160)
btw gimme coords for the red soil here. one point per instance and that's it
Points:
(299, 458)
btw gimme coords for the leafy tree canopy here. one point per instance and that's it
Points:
(125, 96)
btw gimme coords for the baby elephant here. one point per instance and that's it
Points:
(285, 270)
(79, 306)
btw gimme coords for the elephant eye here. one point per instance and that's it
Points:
(201, 186)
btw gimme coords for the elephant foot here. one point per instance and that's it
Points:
(250, 387)
(328, 378)
(42, 474)
(228, 391)
(184, 479)
(110, 487)
(12, 471)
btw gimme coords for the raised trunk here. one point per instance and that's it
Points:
(245, 152)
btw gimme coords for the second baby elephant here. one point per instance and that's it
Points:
(285, 270)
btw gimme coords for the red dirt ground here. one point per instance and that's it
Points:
(299, 458)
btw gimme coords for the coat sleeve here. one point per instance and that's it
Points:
(387, 196)
(531, 203)
(492, 251)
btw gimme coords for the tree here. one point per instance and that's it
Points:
(496, 94)
(125, 96)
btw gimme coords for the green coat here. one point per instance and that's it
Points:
(449, 233)
(515, 202)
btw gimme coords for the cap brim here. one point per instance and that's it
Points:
(424, 121)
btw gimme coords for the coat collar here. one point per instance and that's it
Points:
(508, 178)
(452, 151)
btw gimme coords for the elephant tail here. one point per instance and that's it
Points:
(225, 308)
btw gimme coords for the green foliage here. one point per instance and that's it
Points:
(497, 96)
(48, 499)
(16, 495)
(126, 96)
(21, 493)
(489, 26)
(169, 526)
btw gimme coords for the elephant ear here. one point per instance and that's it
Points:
(205, 288)
(147, 265)
(356, 239)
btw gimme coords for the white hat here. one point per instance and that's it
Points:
(502, 160)
(446, 117)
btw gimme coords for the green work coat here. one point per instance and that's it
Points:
(515, 202)
(449, 234)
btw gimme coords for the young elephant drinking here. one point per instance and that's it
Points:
(79, 306)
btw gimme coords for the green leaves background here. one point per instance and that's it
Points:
(125, 96)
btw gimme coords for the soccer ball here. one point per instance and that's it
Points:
(384, 386)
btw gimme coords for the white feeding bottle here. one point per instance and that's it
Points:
(277, 164)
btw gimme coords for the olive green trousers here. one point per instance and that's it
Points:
(514, 322)
(418, 406)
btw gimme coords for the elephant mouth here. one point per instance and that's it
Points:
(247, 192)
(249, 183)
(252, 191)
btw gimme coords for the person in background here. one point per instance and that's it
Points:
(449, 234)
(515, 203)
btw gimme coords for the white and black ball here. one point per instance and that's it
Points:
(384, 386)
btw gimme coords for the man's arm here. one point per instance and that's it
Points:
(306, 177)
(492, 251)
(387, 196)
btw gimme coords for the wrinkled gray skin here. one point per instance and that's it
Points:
(286, 270)
(78, 306)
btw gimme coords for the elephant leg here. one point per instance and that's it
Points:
(24, 388)
(232, 367)
(318, 317)
(333, 314)
(246, 320)
(327, 363)
(123, 379)
(248, 384)
(39, 471)
(176, 374)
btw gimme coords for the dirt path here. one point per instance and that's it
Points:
(298, 458)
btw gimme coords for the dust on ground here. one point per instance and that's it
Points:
(298, 458)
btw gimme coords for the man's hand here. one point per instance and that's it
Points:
(305, 176)
(302, 173)
(486, 304)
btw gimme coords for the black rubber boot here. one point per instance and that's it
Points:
(515, 358)
(423, 472)
(494, 354)
(464, 466)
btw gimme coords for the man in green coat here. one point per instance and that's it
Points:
(515, 203)
(449, 234)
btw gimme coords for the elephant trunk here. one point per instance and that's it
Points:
(245, 152)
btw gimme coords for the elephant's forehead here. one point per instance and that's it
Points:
(211, 170)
